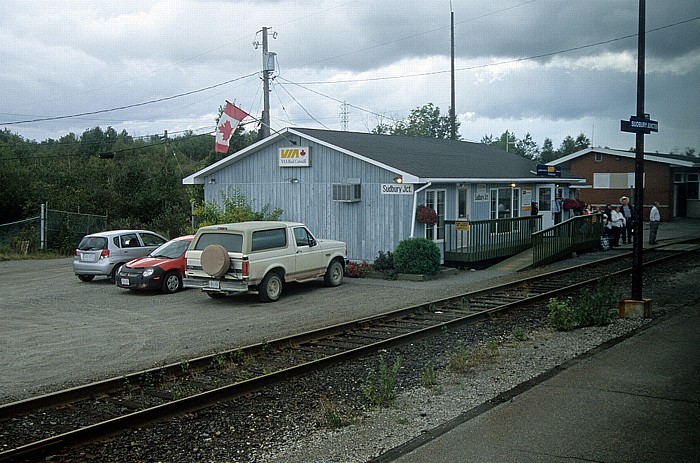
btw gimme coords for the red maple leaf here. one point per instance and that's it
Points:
(303, 153)
(226, 130)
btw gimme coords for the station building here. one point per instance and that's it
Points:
(365, 188)
(672, 180)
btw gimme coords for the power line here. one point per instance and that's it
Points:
(158, 100)
(499, 63)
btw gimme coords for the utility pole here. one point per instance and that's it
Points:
(453, 117)
(268, 67)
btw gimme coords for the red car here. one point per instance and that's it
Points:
(162, 269)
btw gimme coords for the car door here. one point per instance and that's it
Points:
(129, 247)
(309, 255)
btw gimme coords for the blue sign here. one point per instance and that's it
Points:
(639, 124)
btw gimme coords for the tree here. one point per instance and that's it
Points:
(525, 147)
(547, 152)
(569, 145)
(236, 208)
(423, 122)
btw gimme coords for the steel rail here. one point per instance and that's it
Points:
(202, 400)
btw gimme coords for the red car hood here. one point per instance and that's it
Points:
(144, 262)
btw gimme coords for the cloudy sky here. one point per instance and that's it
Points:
(548, 67)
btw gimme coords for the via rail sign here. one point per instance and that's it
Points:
(639, 124)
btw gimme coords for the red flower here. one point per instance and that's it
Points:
(426, 215)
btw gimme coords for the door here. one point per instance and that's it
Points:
(435, 199)
(545, 201)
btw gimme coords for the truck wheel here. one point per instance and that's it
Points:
(215, 260)
(270, 288)
(334, 274)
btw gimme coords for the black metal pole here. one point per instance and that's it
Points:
(638, 240)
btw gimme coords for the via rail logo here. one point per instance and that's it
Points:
(297, 156)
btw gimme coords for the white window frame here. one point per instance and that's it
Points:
(436, 232)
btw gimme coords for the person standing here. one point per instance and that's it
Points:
(654, 219)
(628, 211)
(618, 225)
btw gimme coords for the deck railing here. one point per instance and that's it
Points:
(480, 240)
(575, 234)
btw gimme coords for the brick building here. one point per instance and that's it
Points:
(672, 180)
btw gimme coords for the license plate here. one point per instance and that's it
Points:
(88, 257)
(125, 281)
(214, 284)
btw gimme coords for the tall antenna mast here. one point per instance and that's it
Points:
(344, 116)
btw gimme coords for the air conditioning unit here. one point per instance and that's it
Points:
(347, 192)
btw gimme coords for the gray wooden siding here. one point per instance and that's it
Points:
(376, 223)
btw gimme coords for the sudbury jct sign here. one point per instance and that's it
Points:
(638, 124)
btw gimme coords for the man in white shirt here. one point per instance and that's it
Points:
(654, 219)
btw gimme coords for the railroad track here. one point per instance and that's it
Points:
(70, 417)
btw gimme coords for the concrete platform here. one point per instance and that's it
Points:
(638, 401)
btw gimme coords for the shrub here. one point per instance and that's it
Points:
(594, 307)
(561, 314)
(356, 269)
(384, 262)
(590, 309)
(380, 387)
(428, 376)
(417, 256)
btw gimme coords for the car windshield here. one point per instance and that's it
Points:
(92, 243)
(171, 249)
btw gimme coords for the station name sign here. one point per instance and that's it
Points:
(639, 124)
(544, 170)
(297, 156)
(397, 189)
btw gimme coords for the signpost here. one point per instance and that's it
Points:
(640, 125)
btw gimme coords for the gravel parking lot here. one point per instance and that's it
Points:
(56, 331)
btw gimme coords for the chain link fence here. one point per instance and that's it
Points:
(53, 229)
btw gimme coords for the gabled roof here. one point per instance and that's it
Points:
(672, 159)
(418, 160)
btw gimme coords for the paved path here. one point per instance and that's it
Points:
(638, 401)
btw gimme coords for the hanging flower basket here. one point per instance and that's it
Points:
(426, 215)
(574, 204)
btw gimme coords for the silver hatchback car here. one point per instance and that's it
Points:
(104, 253)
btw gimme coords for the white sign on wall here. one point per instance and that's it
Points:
(294, 156)
(397, 189)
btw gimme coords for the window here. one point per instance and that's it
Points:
(232, 242)
(302, 236)
(462, 204)
(268, 239)
(616, 180)
(151, 240)
(545, 199)
(435, 199)
(129, 241)
(347, 192)
(598, 157)
(505, 203)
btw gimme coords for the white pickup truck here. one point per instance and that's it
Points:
(260, 256)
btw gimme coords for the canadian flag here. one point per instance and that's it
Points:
(228, 122)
